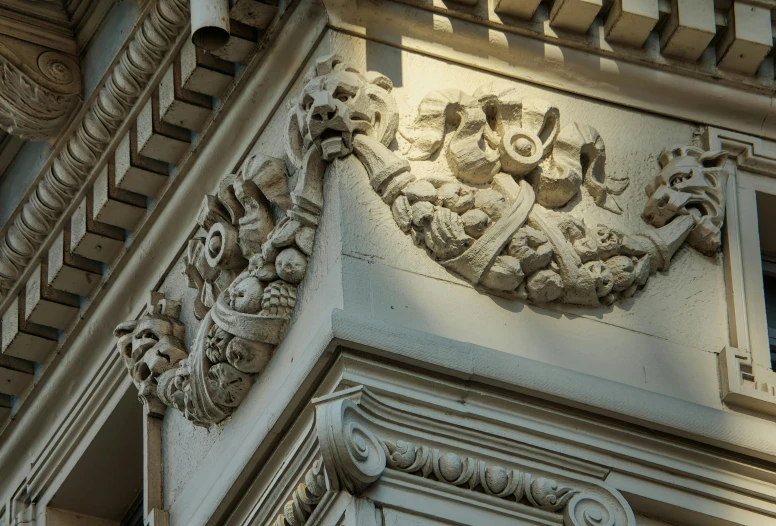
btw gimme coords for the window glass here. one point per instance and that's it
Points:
(766, 219)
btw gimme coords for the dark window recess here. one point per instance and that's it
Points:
(766, 219)
(134, 516)
(769, 287)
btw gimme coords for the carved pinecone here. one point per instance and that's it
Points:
(279, 299)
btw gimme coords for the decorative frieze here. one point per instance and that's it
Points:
(500, 216)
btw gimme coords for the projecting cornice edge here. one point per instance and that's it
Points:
(577, 63)
(27, 230)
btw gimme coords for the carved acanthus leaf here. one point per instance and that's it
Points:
(306, 497)
(38, 89)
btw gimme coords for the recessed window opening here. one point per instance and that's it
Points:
(105, 487)
(766, 219)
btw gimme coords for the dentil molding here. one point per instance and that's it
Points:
(30, 227)
(497, 219)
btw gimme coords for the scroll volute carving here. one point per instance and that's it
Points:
(357, 448)
(38, 89)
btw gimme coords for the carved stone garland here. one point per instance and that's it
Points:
(355, 458)
(259, 237)
(491, 222)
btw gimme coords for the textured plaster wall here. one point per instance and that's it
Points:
(663, 339)
(180, 463)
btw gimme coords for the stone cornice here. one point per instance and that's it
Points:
(595, 34)
(31, 225)
(581, 62)
(79, 355)
(358, 448)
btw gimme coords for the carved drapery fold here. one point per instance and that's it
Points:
(38, 89)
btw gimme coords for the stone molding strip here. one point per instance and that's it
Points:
(695, 37)
(33, 223)
(567, 61)
(127, 183)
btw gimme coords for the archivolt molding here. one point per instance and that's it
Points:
(357, 450)
(69, 171)
(497, 220)
(38, 89)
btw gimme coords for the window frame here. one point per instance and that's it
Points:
(747, 379)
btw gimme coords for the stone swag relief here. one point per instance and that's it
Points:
(497, 218)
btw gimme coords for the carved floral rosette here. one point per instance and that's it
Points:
(502, 219)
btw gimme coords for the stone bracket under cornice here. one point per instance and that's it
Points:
(363, 440)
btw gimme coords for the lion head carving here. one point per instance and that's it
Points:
(691, 182)
(153, 344)
(338, 102)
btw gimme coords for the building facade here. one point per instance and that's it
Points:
(387, 262)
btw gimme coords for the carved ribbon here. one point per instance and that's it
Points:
(473, 263)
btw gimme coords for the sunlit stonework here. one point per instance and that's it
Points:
(497, 220)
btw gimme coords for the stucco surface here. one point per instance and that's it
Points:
(180, 463)
(663, 339)
(686, 305)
